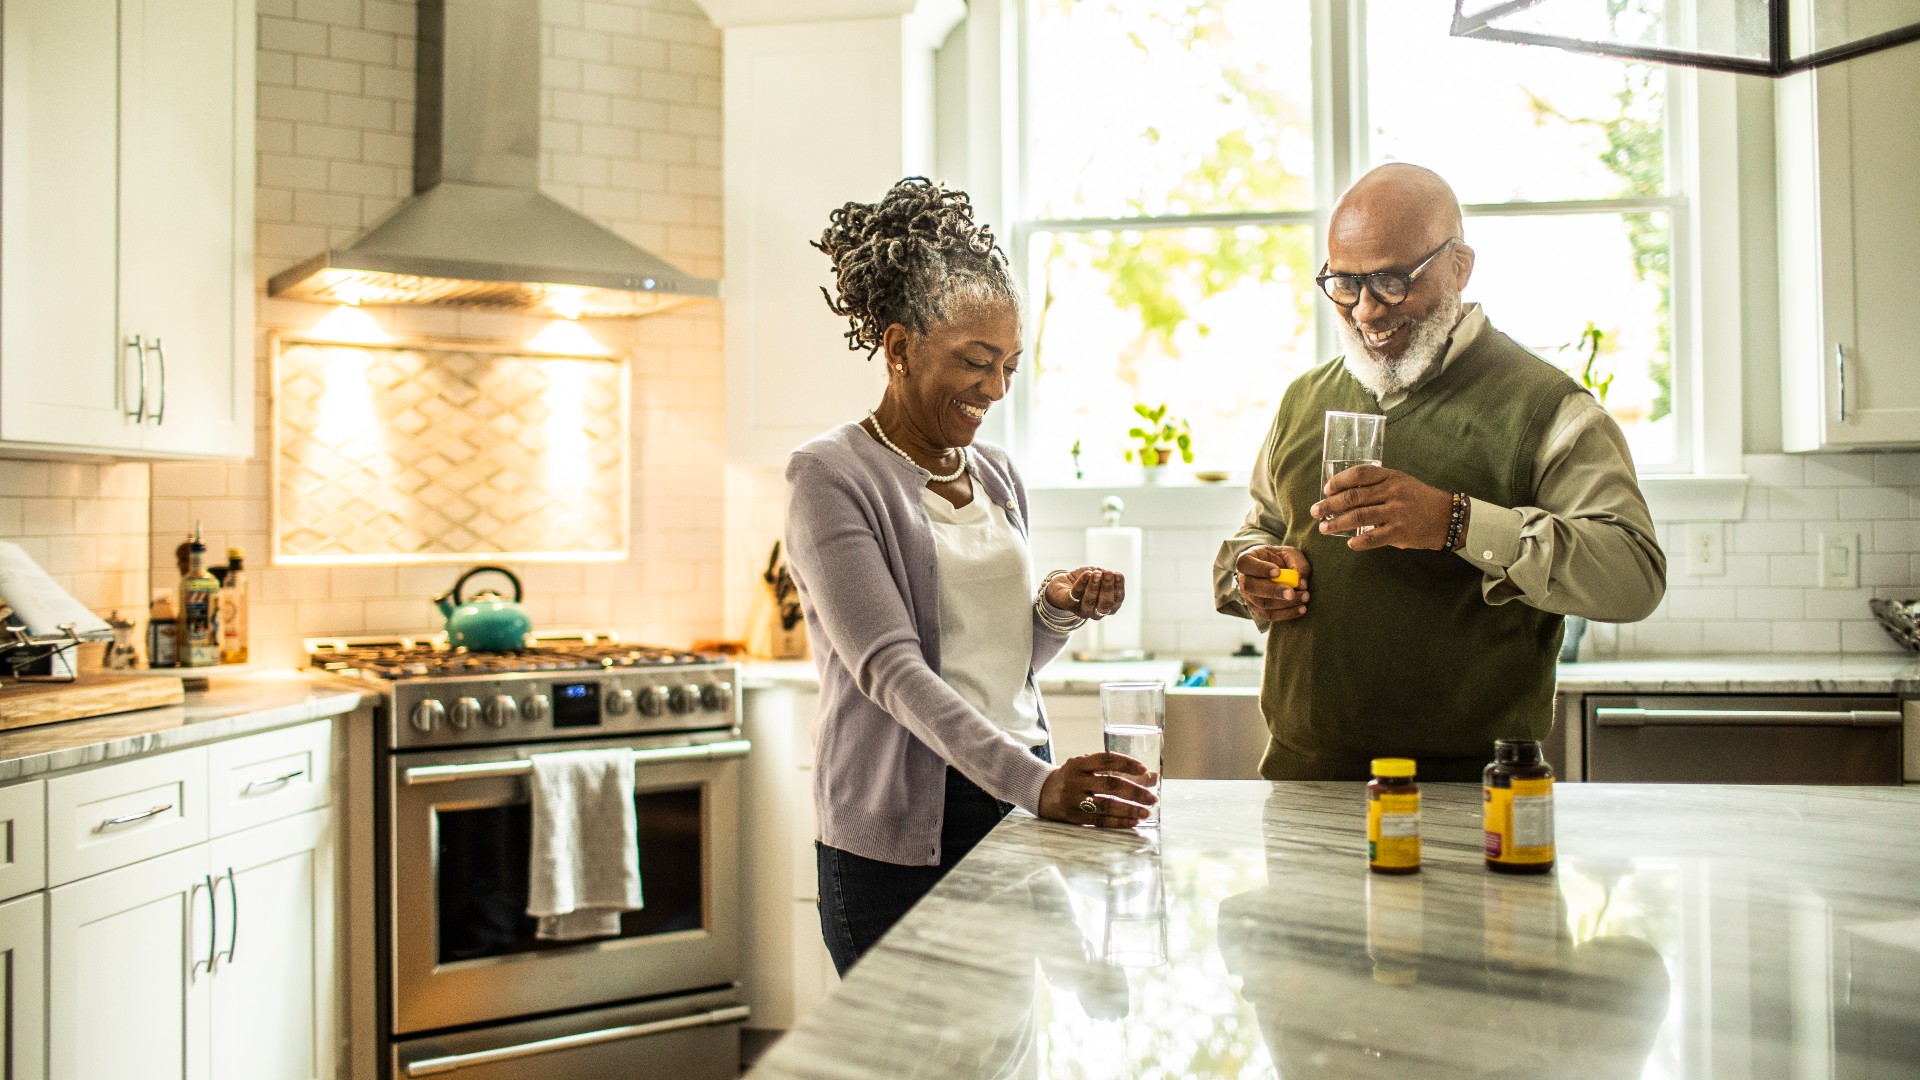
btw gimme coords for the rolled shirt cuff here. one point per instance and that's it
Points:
(1493, 537)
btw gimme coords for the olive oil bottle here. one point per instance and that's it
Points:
(199, 608)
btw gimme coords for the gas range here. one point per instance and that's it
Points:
(562, 686)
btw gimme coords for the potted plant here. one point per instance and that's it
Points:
(1159, 436)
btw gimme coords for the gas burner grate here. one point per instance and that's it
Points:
(407, 659)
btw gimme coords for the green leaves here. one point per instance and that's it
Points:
(1161, 433)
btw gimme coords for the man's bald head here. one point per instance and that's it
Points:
(1396, 204)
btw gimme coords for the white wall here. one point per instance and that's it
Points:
(631, 138)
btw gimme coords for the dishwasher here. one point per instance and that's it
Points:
(1742, 739)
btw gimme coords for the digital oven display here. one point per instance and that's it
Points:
(576, 705)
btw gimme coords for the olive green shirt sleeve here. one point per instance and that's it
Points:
(1263, 526)
(1589, 547)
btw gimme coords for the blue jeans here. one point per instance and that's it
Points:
(861, 898)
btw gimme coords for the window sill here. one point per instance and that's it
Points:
(1187, 503)
(1710, 497)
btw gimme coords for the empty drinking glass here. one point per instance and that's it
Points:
(1351, 439)
(1133, 718)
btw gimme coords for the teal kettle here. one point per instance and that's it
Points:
(486, 623)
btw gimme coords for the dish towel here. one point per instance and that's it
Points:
(586, 863)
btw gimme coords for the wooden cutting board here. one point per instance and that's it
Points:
(24, 704)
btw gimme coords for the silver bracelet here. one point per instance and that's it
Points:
(1045, 611)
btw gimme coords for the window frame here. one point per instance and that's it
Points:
(1702, 202)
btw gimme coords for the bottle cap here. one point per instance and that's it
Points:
(1392, 766)
(1516, 752)
(235, 554)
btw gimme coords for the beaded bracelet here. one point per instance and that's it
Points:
(1456, 521)
(1057, 623)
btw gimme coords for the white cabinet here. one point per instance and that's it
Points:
(23, 987)
(126, 224)
(272, 1015)
(851, 96)
(1848, 158)
(128, 979)
(210, 961)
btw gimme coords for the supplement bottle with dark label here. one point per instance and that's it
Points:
(1393, 818)
(1517, 795)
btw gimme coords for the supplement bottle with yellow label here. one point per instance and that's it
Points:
(1517, 795)
(1393, 818)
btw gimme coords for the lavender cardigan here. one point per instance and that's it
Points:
(861, 551)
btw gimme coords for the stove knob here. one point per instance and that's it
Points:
(620, 703)
(653, 700)
(464, 713)
(502, 710)
(427, 714)
(717, 697)
(537, 709)
(683, 699)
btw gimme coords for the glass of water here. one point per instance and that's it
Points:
(1351, 439)
(1133, 717)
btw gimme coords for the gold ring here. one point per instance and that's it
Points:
(1087, 804)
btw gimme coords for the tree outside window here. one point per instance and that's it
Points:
(1173, 227)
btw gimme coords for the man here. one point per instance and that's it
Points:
(1506, 500)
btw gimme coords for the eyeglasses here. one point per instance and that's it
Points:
(1389, 287)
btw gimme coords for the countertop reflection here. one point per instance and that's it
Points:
(1689, 931)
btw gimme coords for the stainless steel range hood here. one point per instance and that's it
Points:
(479, 233)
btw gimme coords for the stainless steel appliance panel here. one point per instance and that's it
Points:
(1748, 739)
(462, 950)
(696, 1037)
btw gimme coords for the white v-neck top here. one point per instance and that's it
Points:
(986, 612)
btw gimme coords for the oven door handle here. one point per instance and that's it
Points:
(732, 1014)
(1611, 717)
(487, 770)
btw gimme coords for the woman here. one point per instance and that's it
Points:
(908, 544)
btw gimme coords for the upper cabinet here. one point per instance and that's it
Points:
(126, 225)
(1849, 185)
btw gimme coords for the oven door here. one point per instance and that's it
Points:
(462, 947)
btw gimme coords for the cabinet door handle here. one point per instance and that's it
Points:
(128, 819)
(233, 914)
(213, 927)
(271, 781)
(160, 410)
(139, 412)
(1840, 370)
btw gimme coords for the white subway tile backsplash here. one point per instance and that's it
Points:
(1839, 470)
(1874, 503)
(1703, 604)
(1737, 637)
(1766, 537)
(1774, 470)
(1866, 637)
(1771, 603)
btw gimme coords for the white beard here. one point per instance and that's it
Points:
(1426, 340)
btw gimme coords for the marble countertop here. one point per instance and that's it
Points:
(1819, 673)
(1688, 932)
(238, 705)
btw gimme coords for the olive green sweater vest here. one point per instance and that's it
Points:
(1398, 654)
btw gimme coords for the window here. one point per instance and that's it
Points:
(1180, 159)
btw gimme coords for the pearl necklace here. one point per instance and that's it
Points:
(888, 443)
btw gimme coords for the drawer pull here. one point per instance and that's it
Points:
(732, 1014)
(131, 818)
(271, 781)
(1610, 717)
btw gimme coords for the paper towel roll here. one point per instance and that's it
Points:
(1117, 547)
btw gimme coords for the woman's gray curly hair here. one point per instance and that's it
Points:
(910, 258)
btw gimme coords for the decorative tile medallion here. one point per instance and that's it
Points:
(409, 453)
